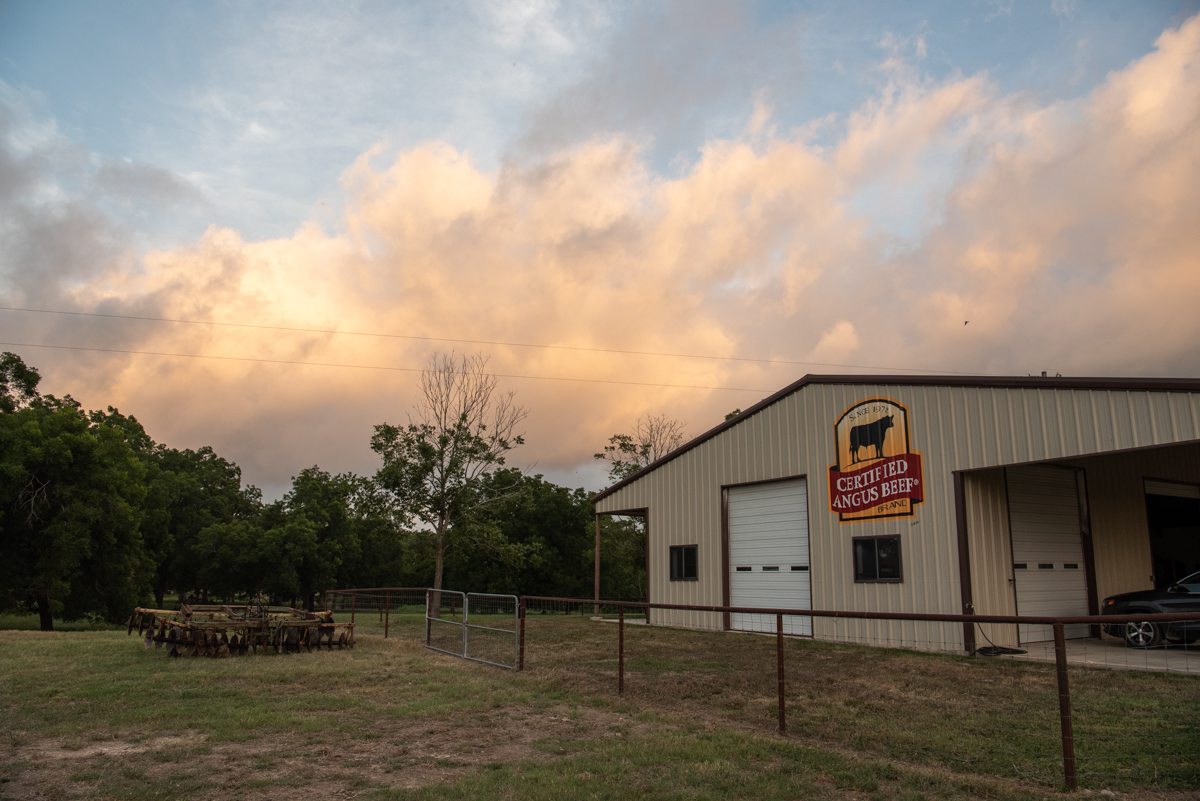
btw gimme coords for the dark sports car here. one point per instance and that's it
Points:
(1182, 596)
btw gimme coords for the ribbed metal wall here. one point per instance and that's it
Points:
(956, 428)
(1117, 506)
(989, 544)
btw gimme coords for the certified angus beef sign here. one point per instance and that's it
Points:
(877, 474)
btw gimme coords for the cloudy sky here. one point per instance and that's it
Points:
(629, 208)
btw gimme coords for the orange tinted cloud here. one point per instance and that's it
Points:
(1065, 233)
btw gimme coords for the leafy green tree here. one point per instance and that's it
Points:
(531, 538)
(435, 467)
(154, 516)
(190, 491)
(622, 558)
(232, 558)
(323, 502)
(547, 532)
(288, 539)
(653, 437)
(186, 492)
(306, 543)
(18, 383)
(386, 556)
(71, 495)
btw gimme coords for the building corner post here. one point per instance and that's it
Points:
(596, 610)
(964, 561)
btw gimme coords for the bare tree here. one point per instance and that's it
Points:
(653, 437)
(434, 468)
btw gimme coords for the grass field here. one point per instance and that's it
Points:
(91, 714)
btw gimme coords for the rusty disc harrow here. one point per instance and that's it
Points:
(221, 631)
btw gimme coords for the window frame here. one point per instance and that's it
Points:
(683, 550)
(858, 579)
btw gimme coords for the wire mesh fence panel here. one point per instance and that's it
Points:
(386, 611)
(1114, 653)
(1128, 733)
(491, 623)
(445, 622)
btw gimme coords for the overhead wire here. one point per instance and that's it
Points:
(383, 335)
(372, 367)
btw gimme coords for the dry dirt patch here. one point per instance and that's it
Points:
(406, 754)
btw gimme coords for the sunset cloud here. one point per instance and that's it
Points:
(1063, 231)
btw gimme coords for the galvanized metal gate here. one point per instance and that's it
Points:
(478, 626)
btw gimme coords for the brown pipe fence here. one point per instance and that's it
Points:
(413, 601)
(382, 601)
(1058, 623)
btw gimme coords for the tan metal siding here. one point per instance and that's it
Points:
(956, 428)
(990, 549)
(927, 548)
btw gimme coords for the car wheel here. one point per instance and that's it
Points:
(1142, 635)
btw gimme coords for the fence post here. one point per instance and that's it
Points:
(521, 637)
(596, 608)
(620, 650)
(779, 653)
(466, 614)
(353, 604)
(1064, 707)
(516, 634)
(387, 612)
(428, 623)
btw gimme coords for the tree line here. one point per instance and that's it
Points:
(97, 518)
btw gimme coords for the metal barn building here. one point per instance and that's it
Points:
(1031, 496)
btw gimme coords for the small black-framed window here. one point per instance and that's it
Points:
(683, 563)
(877, 559)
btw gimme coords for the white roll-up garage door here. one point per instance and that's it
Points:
(768, 554)
(1047, 547)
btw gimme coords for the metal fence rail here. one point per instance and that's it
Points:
(1066, 721)
(382, 601)
(491, 629)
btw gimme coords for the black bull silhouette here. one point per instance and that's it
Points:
(870, 434)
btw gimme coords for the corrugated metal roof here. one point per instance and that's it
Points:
(994, 382)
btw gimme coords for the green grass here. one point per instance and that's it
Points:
(967, 715)
(676, 764)
(10, 622)
(93, 713)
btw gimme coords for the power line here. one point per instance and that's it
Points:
(372, 367)
(476, 341)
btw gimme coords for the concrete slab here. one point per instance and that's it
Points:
(1112, 653)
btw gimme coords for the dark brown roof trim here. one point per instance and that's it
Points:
(985, 382)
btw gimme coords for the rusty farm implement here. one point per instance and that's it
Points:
(229, 630)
